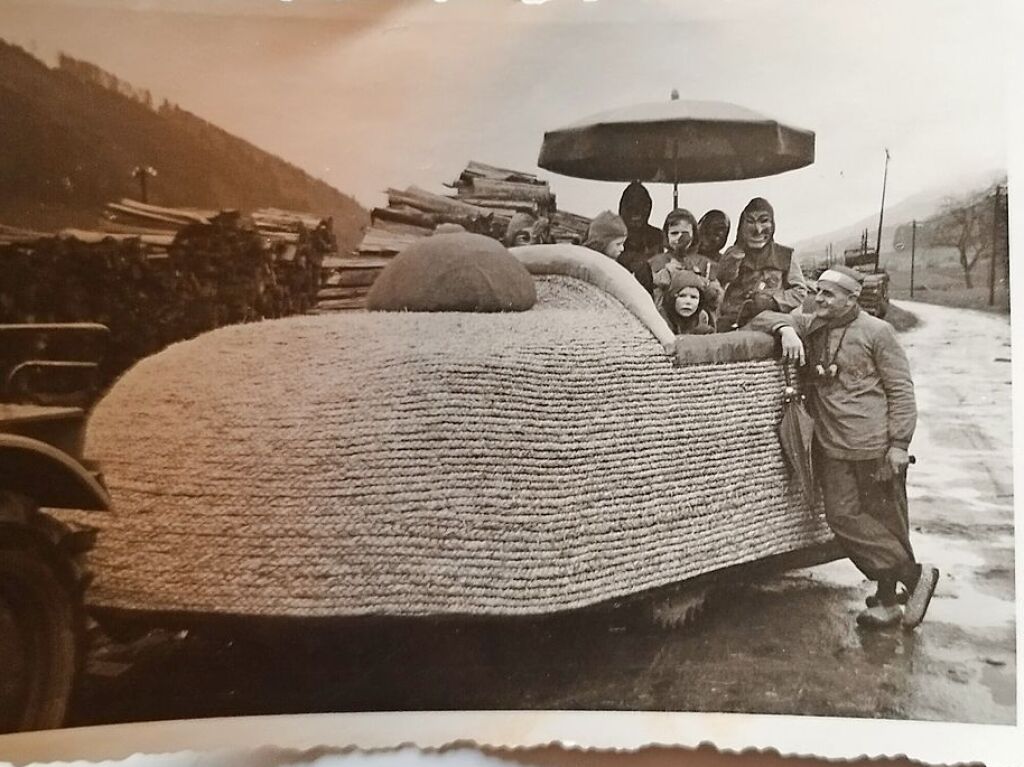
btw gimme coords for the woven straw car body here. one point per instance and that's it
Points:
(404, 463)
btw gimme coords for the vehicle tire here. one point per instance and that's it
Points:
(41, 626)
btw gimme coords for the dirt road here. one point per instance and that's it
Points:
(786, 646)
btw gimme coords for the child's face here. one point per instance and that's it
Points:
(615, 247)
(680, 235)
(687, 301)
(523, 237)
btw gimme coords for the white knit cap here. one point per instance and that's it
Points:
(845, 281)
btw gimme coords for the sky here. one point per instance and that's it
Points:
(371, 94)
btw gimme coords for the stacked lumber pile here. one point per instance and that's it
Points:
(297, 243)
(485, 200)
(189, 272)
(14, 234)
(506, 192)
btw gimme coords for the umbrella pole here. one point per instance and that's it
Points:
(675, 174)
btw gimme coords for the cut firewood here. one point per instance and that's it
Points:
(356, 278)
(355, 262)
(116, 227)
(505, 207)
(398, 227)
(286, 219)
(421, 199)
(141, 217)
(481, 170)
(341, 304)
(334, 294)
(188, 215)
(87, 236)
(12, 234)
(382, 241)
(405, 214)
(507, 190)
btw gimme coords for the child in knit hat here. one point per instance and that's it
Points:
(683, 304)
(607, 234)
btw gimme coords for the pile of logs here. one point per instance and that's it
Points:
(189, 272)
(14, 234)
(297, 244)
(485, 200)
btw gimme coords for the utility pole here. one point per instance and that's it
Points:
(995, 242)
(143, 173)
(881, 211)
(913, 254)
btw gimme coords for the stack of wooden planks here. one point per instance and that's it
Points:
(10, 235)
(485, 200)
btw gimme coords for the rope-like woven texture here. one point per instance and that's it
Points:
(408, 463)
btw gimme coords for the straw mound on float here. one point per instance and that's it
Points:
(410, 463)
(451, 273)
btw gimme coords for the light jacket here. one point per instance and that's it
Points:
(870, 406)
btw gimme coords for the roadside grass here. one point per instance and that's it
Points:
(944, 286)
(960, 298)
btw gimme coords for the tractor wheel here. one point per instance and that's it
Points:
(41, 619)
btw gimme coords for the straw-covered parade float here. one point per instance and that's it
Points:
(504, 432)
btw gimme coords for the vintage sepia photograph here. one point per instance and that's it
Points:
(452, 355)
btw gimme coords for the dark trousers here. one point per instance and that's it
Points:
(866, 507)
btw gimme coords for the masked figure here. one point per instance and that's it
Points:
(759, 274)
(712, 234)
(643, 240)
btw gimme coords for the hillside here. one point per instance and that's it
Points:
(71, 135)
(921, 206)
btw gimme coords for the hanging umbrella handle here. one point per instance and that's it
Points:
(789, 393)
(787, 374)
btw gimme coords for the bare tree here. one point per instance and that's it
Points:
(965, 223)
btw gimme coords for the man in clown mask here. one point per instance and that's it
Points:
(859, 390)
(757, 272)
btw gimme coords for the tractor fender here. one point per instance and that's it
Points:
(50, 477)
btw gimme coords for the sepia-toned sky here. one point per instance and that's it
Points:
(368, 94)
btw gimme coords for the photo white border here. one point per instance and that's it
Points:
(828, 738)
(825, 737)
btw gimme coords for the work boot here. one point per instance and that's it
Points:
(920, 597)
(874, 600)
(880, 616)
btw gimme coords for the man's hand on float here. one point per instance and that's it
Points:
(792, 346)
(897, 460)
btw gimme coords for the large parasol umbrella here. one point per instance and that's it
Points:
(796, 435)
(676, 142)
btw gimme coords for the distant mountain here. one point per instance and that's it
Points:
(70, 137)
(920, 206)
